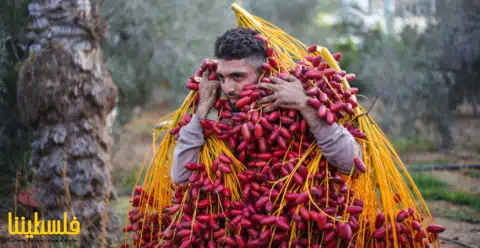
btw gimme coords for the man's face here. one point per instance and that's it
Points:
(234, 75)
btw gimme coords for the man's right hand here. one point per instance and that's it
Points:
(209, 92)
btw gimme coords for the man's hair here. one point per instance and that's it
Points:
(239, 43)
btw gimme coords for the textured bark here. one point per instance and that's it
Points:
(66, 94)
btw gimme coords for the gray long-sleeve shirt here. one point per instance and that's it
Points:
(335, 143)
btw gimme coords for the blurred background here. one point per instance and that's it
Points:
(420, 57)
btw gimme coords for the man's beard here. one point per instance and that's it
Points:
(235, 96)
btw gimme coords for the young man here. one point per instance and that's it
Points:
(240, 57)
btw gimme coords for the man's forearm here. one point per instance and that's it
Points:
(187, 150)
(335, 142)
(202, 112)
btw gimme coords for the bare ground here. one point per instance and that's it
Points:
(459, 233)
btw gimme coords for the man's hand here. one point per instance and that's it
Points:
(209, 92)
(287, 93)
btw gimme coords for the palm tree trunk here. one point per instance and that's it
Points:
(66, 93)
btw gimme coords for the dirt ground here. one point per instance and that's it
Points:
(459, 233)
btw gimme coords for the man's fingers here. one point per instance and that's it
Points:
(290, 78)
(267, 98)
(206, 74)
(215, 84)
(276, 80)
(272, 107)
(267, 86)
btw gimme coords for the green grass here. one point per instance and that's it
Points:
(433, 188)
(121, 208)
(413, 144)
(125, 179)
(475, 173)
(431, 162)
(455, 212)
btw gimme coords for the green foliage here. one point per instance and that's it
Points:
(475, 173)
(13, 14)
(413, 144)
(121, 207)
(404, 70)
(125, 179)
(156, 41)
(3, 65)
(350, 61)
(433, 188)
(12, 19)
(294, 17)
(462, 213)
(14, 136)
(425, 181)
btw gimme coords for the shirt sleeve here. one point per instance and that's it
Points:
(187, 150)
(337, 145)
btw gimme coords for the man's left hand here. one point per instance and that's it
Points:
(287, 93)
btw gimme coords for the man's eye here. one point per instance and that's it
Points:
(236, 77)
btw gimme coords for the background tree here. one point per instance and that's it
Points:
(14, 135)
(66, 94)
(158, 44)
(416, 68)
(458, 36)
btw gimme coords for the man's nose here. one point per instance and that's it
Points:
(228, 87)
